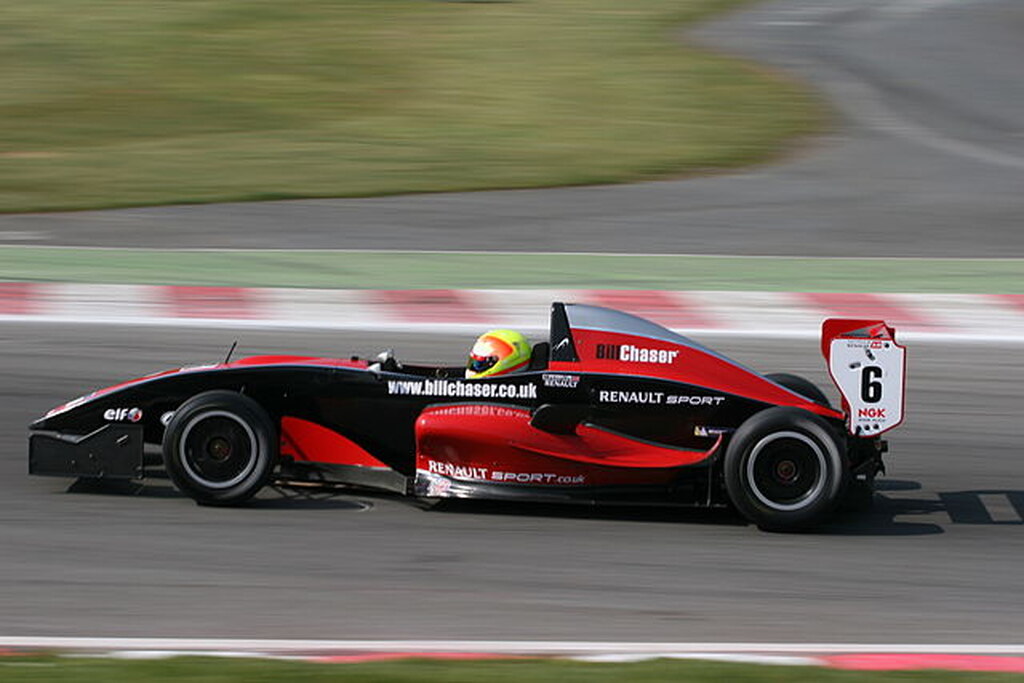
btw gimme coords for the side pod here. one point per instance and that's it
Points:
(558, 418)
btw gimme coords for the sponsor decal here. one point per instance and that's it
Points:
(647, 397)
(477, 411)
(635, 354)
(868, 346)
(694, 400)
(869, 374)
(561, 345)
(561, 381)
(657, 398)
(122, 414)
(456, 471)
(700, 430)
(458, 389)
(431, 486)
(539, 478)
(470, 472)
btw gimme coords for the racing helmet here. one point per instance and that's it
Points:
(498, 352)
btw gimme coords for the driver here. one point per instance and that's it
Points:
(498, 352)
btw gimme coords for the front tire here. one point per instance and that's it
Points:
(785, 469)
(220, 448)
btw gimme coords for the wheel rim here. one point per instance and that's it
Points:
(786, 470)
(218, 449)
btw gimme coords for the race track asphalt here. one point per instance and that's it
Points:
(937, 560)
(926, 158)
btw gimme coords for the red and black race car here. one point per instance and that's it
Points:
(613, 409)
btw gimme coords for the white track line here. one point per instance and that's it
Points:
(471, 328)
(999, 507)
(538, 647)
(907, 9)
(484, 252)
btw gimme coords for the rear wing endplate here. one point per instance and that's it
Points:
(869, 369)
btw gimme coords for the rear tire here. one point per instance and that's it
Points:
(785, 469)
(220, 448)
(804, 387)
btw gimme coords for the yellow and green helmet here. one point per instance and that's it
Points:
(498, 352)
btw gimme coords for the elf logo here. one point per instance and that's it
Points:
(122, 414)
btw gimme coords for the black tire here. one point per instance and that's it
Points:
(785, 469)
(802, 386)
(220, 448)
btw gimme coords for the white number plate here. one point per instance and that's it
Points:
(870, 375)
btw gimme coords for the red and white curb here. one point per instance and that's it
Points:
(972, 317)
(961, 657)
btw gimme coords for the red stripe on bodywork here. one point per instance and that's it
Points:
(18, 298)
(209, 302)
(268, 360)
(612, 450)
(669, 309)
(874, 306)
(904, 662)
(428, 305)
(309, 442)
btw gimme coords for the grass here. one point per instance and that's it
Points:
(120, 103)
(416, 270)
(212, 670)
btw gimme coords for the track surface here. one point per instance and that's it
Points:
(928, 161)
(931, 563)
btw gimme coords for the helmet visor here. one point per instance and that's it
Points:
(478, 364)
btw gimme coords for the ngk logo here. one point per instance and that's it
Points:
(872, 413)
(122, 414)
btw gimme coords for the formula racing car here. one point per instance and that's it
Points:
(611, 409)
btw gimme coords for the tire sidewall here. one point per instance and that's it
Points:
(257, 425)
(818, 436)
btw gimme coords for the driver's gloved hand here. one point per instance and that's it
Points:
(386, 361)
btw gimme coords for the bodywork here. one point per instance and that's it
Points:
(613, 408)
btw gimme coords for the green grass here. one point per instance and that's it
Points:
(122, 102)
(416, 270)
(211, 670)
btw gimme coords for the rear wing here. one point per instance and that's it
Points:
(869, 369)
